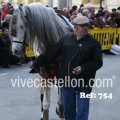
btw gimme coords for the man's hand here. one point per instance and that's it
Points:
(30, 64)
(77, 70)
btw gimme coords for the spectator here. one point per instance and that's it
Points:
(104, 18)
(101, 8)
(55, 8)
(74, 7)
(5, 24)
(91, 15)
(11, 10)
(118, 9)
(117, 20)
(82, 5)
(12, 59)
(111, 19)
(4, 50)
(5, 9)
(72, 14)
(107, 13)
(85, 12)
(100, 11)
(98, 22)
(21, 5)
(113, 10)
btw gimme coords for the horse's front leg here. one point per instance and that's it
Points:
(46, 100)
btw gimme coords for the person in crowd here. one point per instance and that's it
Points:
(81, 57)
(6, 48)
(55, 8)
(85, 12)
(113, 10)
(118, 10)
(74, 7)
(72, 14)
(98, 22)
(21, 4)
(104, 18)
(11, 10)
(107, 13)
(4, 10)
(6, 22)
(117, 20)
(5, 52)
(101, 8)
(111, 19)
(91, 14)
(82, 5)
(100, 11)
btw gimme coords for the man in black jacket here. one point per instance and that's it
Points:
(5, 51)
(81, 57)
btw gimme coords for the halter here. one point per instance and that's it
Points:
(14, 33)
(23, 43)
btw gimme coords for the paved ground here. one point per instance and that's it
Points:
(23, 103)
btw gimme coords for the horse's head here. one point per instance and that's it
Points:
(18, 27)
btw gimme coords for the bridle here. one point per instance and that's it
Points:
(23, 43)
(14, 33)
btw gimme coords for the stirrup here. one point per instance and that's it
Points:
(45, 114)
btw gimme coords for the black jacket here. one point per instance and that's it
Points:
(5, 42)
(5, 25)
(85, 52)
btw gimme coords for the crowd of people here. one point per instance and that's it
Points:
(101, 18)
(6, 56)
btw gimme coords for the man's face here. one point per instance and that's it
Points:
(82, 29)
(6, 32)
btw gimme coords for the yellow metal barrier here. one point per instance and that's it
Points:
(118, 36)
(106, 36)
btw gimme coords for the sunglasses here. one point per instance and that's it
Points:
(84, 25)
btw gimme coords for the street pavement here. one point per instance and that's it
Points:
(22, 103)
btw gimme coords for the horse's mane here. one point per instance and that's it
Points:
(45, 25)
(42, 25)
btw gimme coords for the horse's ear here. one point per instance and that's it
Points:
(22, 10)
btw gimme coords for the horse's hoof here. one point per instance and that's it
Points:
(45, 114)
(61, 112)
(57, 112)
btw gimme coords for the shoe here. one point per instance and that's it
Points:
(45, 114)
(61, 111)
(57, 112)
(6, 66)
